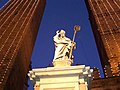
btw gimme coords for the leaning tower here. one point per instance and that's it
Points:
(105, 20)
(19, 24)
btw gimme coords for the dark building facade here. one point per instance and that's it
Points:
(104, 16)
(19, 24)
(111, 83)
(105, 20)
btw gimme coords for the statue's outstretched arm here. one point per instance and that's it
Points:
(56, 37)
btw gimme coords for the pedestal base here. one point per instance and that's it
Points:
(61, 63)
(61, 78)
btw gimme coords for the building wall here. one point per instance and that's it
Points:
(105, 21)
(19, 25)
(104, 16)
(112, 83)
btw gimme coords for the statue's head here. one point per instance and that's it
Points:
(62, 33)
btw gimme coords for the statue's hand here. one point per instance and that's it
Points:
(56, 36)
(73, 44)
(57, 32)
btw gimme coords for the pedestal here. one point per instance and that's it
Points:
(62, 63)
(61, 78)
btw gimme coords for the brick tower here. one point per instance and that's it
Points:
(104, 16)
(19, 23)
(105, 20)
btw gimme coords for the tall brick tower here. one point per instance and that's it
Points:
(105, 20)
(19, 23)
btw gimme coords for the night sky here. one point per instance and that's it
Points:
(64, 14)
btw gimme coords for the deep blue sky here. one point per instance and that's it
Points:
(64, 14)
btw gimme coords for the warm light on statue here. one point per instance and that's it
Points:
(64, 48)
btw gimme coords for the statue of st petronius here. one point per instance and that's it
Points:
(63, 46)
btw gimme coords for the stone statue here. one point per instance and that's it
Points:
(63, 46)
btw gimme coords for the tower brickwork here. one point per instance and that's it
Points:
(19, 24)
(111, 83)
(96, 73)
(105, 20)
(104, 16)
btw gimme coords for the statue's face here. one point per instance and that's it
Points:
(62, 34)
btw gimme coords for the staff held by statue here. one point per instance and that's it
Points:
(76, 29)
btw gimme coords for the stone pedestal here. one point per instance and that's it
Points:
(61, 78)
(62, 63)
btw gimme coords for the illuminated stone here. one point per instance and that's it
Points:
(61, 78)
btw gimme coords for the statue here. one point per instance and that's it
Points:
(63, 46)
